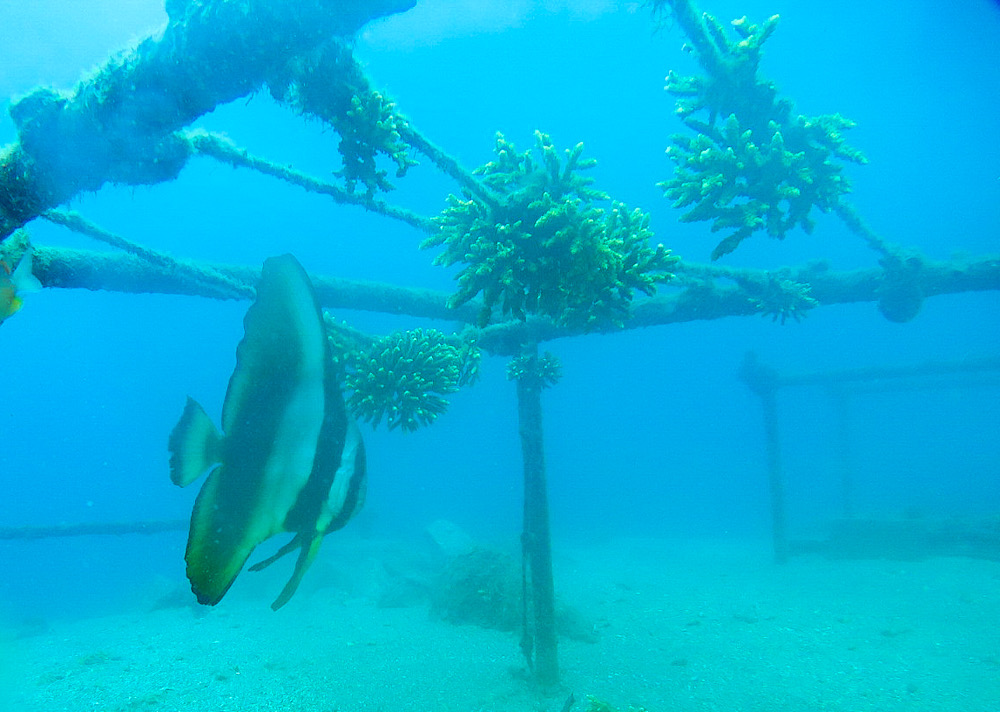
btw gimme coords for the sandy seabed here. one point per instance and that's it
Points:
(681, 625)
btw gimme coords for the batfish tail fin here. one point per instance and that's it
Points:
(194, 445)
(309, 544)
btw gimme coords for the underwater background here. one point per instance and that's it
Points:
(650, 433)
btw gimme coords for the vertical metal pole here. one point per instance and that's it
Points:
(764, 383)
(536, 539)
(840, 401)
(775, 476)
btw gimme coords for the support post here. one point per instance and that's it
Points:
(763, 382)
(844, 459)
(535, 539)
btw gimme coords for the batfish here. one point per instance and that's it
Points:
(288, 459)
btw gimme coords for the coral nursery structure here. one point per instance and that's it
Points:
(539, 252)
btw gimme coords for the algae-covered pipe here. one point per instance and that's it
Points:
(119, 124)
(86, 269)
(536, 540)
(67, 268)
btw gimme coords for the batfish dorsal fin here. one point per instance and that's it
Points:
(284, 337)
(193, 444)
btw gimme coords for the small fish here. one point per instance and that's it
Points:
(289, 459)
(14, 284)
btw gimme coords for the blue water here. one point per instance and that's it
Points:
(649, 432)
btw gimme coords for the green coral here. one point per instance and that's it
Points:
(542, 247)
(369, 128)
(782, 298)
(761, 169)
(345, 344)
(332, 86)
(544, 370)
(404, 376)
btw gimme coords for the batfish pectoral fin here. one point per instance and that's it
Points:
(288, 548)
(223, 535)
(310, 544)
(194, 445)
